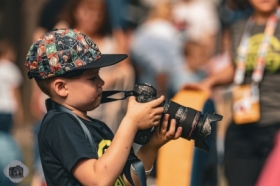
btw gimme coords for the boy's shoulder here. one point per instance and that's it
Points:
(54, 121)
(57, 121)
(62, 143)
(54, 116)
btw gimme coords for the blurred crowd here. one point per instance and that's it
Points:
(172, 45)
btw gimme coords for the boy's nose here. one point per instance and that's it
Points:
(101, 82)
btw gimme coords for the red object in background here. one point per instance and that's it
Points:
(270, 174)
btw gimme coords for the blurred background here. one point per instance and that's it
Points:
(170, 43)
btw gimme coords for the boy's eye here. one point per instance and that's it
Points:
(94, 77)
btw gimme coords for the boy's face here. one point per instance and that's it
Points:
(85, 91)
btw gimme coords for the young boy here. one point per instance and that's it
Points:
(65, 64)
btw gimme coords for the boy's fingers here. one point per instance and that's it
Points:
(172, 128)
(165, 122)
(131, 98)
(157, 102)
(157, 118)
(158, 110)
(178, 133)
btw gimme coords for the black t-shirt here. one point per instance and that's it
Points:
(62, 143)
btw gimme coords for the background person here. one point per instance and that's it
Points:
(10, 81)
(91, 17)
(248, 145)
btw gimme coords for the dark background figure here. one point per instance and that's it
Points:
(49, 17)
(205, 164)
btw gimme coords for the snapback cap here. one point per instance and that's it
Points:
(63, 50)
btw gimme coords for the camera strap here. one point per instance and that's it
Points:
(243, 49)
(106, 95)
(138, 165)
(139, 169)
(53, 105)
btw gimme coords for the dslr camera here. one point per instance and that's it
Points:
(196, 126)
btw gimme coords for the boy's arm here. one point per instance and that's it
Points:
(147, 153)
(106, 169)
(220, 78)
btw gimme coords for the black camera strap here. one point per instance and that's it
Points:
(106, 95)
(139, 169)
(137, 164)
(53, 105)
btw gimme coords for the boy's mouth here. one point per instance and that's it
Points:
(100, 95)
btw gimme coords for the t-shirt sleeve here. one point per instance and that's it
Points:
(68, 141)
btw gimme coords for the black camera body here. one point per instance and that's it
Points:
(196, 126)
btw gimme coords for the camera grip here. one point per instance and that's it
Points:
(142, 137)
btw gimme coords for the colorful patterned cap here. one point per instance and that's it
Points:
(63, 50)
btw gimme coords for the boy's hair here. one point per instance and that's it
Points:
(61, 51)
(44, 84)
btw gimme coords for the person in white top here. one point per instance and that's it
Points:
(198, 21)
(10, 81)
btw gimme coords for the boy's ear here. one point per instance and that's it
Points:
(59, 87)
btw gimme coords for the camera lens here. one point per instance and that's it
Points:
(196, 126)
(185, 117)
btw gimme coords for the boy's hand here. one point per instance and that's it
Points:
(144, 115)
(163, 134)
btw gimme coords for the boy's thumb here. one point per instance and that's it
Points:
(158, 101)
(131, 98)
